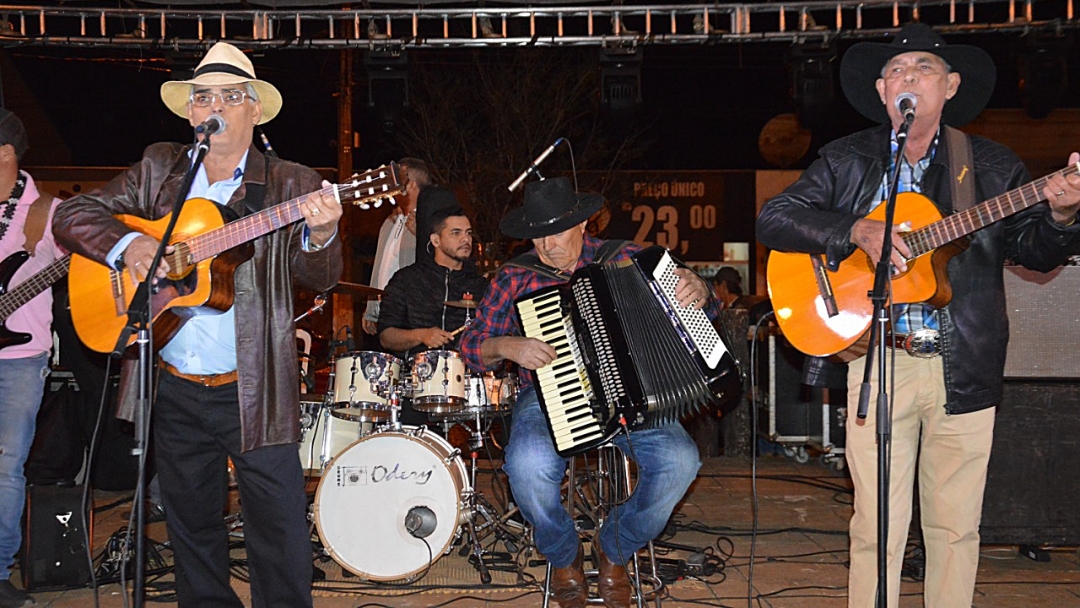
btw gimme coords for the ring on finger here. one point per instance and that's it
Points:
(1061, 193)
(315, 211)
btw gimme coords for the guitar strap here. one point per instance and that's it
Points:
(255, 196)
(530, 261)
(36, 218)
(961, 169)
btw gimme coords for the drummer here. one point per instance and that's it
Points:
(426, 304)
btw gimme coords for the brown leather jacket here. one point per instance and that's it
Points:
(268, 384)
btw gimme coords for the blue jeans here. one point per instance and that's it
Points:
(667, 460)
(21, 384)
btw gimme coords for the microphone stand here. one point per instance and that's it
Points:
(879, 296)
(139, 317)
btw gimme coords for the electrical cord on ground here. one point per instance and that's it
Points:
(87, 498)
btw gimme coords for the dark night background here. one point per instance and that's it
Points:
(703, 107)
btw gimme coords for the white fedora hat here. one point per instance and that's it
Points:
(223, 64)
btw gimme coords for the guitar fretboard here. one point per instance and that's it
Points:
(30, 288)
(948, 229)
(374, 185)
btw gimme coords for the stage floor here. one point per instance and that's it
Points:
(800, 554)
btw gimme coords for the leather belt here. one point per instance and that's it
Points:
(924, 344)
(209, 380)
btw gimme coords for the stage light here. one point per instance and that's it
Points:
(620, 78)
(388, 84)
(812, 74)
(1044, 76)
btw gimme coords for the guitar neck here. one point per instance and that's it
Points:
(30, 288)
(248, 228)
(957, 225)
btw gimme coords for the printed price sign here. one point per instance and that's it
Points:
(681, 213)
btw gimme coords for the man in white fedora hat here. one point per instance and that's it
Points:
(949, 360)
(228, 387)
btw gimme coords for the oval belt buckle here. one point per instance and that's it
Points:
(924, 344)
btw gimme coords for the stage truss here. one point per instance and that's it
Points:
(169, 29)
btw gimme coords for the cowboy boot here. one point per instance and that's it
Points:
(568, 585)
(613, 583)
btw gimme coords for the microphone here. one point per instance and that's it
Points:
(535, 164)
(350, 346)
(420, 521)
(213, 124)
(905, 103)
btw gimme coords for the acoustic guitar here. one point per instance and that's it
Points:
(206, 252)
(822, 312)
(13, 300)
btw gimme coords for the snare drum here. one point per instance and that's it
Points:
(379, 489)
(359, 377)
(439, 382)
(322, 436)
(485, 396)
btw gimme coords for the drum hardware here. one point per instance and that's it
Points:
(320, 302)
(481, 521)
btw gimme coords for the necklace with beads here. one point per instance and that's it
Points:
(12, 202)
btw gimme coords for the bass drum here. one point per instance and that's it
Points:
(391, 504)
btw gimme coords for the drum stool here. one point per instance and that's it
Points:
(589, 497)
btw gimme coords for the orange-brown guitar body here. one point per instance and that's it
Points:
(800, 286)
(100, 296)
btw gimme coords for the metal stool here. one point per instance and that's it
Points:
(589, 498)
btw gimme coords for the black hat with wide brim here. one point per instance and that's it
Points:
(551, 206)
(863, 62)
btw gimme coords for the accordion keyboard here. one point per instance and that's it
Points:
(564, 390)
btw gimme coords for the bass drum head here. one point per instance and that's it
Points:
(369, 490)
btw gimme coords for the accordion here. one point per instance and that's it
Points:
(627, 352)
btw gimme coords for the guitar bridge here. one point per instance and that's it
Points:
(821, 275)
(116, 279)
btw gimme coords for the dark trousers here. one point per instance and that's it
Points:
(196, 430)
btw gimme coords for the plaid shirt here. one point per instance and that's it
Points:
(908, 318)
(496, 315)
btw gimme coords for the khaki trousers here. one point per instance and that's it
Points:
(952, 453)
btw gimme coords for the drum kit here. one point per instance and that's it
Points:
(410, 488)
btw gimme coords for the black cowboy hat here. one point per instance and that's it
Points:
(551, 206)
(862, 64)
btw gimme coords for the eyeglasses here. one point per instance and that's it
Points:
(230, 98)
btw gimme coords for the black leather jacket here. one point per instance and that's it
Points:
(816, 214)
(269, 385)
(416, 294)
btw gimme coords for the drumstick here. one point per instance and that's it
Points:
(458, 331)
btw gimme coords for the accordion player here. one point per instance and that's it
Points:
(628, 355)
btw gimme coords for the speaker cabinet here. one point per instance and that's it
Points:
(1034, 475)
(54, 547)
(790, 412)
(1044, 322)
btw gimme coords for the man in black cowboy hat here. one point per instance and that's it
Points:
(943, 406)
(554, 218)
(228, 387)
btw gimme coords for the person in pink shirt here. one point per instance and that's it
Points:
(25, 338)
